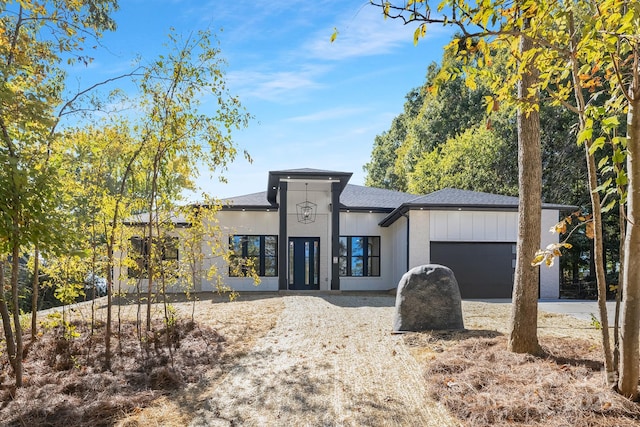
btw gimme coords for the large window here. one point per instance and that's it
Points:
(141, 249)
(253, 253)
(359, 256)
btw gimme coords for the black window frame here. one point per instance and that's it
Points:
(237, 266)
(369, 261)
(141, 250)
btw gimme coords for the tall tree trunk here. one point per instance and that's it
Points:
(152, 247)
(94, 260)
(598, 263)
(107, 333)
(597, 260)
(15, 268)
(150, 261)
(629, 336)
(622, 223)
(34, 293)
(6, 319)
(523, 333)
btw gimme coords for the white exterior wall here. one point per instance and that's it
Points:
(320, 194)
(419, 238)
(123, 283)
(425, 226)
(366, 224)
(474, 226)
(479, 226)
(549, 276)
(399, 249)
(238, 222)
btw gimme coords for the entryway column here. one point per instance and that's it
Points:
(283, 242)
(335, 236)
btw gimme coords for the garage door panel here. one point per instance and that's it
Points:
(483, 270)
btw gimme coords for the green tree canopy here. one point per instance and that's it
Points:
(468, 161)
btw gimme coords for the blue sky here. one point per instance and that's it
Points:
(316, 104)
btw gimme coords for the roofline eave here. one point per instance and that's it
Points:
(276, 176)
(405, 207)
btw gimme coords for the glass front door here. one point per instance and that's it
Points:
(304, 263)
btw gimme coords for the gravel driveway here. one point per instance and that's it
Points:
(330, 361)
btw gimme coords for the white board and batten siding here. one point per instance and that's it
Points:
(480, 227)
(366, 224)
(241, 223)
(549, 276)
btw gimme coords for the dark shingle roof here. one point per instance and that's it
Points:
(462, 199)
(465, 198)
(357, 196)
(352, 197)
(254, 200)
(455, 197)
(396, 203)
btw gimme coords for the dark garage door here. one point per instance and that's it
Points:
(483, 270)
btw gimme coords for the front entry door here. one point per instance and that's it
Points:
(304, 263)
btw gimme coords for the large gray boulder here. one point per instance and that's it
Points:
(428, 298)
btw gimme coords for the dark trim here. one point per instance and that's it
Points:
(335, 236)
(406, 207)
(262, 256)
(408, 239)
(282, 237)
(365, 210)
(349, 256)
(146, 224)
(250, 208)
(316, 266)
(276, 177)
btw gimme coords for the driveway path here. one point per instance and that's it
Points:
(330, 361)
(580, 309)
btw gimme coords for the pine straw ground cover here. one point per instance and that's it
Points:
(149, 384)
(470, 373)
(481, 384)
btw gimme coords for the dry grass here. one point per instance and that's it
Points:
(469, 374)
(473, 375)
(66, 383)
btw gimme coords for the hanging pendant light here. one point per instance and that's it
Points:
(307, 210)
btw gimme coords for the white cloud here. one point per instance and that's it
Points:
(366, 34)
(277, 86)
(331, 114)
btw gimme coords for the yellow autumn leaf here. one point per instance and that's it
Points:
(538, 258)
(590, 230)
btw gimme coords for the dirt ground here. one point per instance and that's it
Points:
(331, 360)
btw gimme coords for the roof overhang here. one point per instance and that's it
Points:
(253, 208)
(276, 177)
(406, 207)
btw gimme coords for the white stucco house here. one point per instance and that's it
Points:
(312, 230)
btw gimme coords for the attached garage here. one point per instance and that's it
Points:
(482, 269)
(474, 234)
